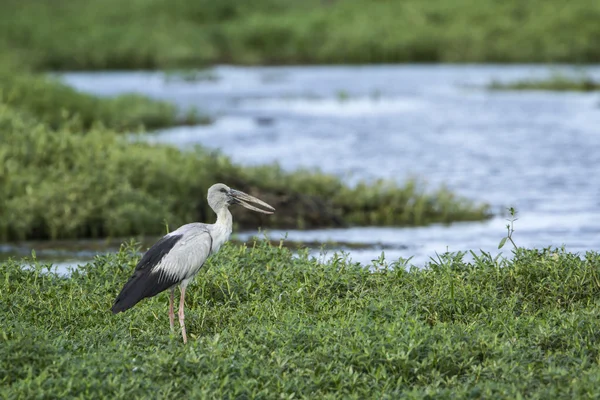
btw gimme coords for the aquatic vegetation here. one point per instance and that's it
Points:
(60, 183)
(556, 82)
(55, 103)
(342, 96)
(142, 34)
(265, 324)
(191, 75)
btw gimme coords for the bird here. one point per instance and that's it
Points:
(178, 256)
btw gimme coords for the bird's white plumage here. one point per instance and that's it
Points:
(177, 257)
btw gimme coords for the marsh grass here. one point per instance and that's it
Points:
(556, 82)
(62, 183)
(192, 33)
(50, 101)
(266, 324)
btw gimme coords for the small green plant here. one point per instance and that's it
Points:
(510, 228)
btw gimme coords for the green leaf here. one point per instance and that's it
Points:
(502, 242)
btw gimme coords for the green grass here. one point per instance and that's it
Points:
(61, 183)
(265, 324)
(109, 34)
(54, 103)
(556, 82)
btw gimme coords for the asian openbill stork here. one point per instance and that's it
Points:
(178, 256)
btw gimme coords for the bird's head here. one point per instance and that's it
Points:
(221, 195)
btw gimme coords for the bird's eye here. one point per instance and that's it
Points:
(223, 190)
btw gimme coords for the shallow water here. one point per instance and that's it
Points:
(536, 151)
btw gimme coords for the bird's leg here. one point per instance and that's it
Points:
(171, 311)
(181, 315)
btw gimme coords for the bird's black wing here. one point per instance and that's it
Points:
(144, 283)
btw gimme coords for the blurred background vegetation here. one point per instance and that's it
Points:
(111, 34)
(66, 171)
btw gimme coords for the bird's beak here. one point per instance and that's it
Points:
(243, 199)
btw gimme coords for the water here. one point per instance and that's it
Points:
(536, 151)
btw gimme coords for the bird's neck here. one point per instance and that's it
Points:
(222, 228)
(224, 218)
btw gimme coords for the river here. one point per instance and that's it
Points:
(536, 151)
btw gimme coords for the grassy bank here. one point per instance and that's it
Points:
(75, 35)
(264, 324)
(54, 103)
(557, 83)
(60, 183)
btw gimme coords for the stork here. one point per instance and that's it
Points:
(178, 256)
